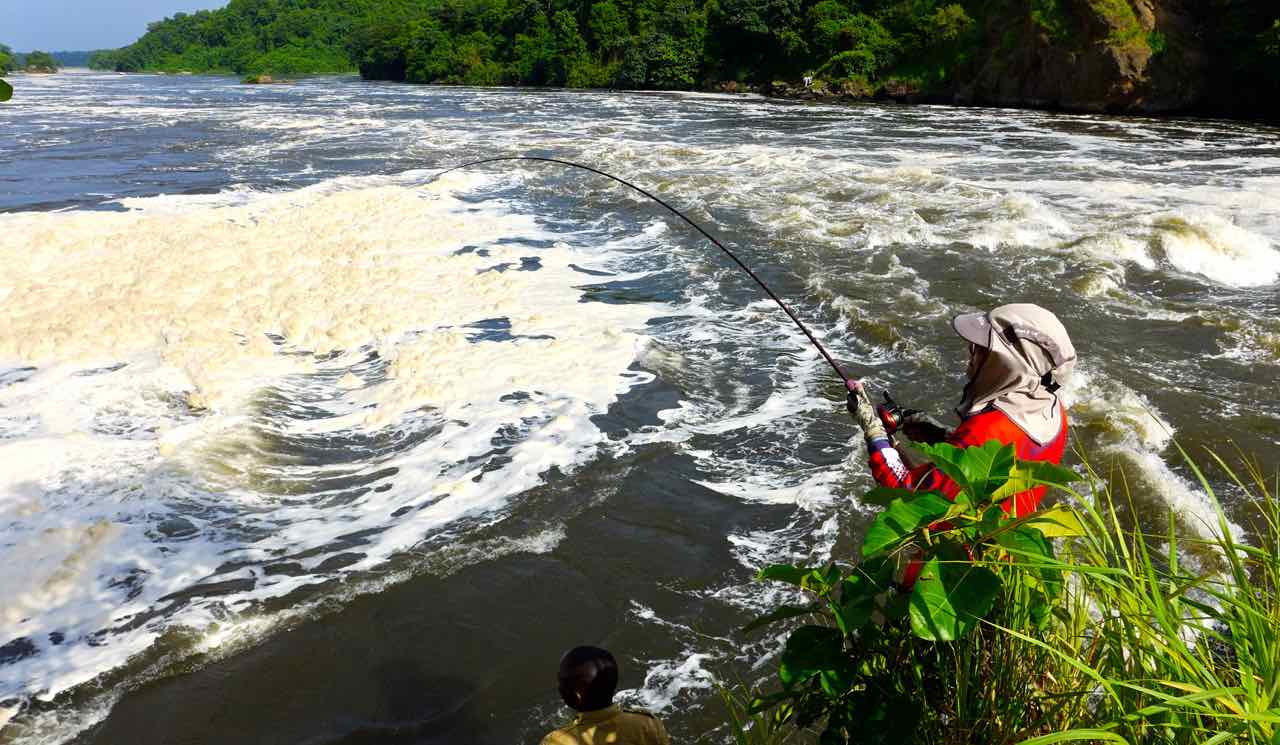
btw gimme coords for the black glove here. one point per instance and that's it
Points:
(920, 427)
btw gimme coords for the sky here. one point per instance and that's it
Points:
(75, 25)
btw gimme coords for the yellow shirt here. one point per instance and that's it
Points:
(610, 726)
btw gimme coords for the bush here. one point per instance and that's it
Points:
(949, 23)
(1052, 18)
(873, 671)
(858, 63)
(1007, 638)
(40, 62)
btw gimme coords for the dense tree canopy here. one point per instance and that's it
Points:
(678, 44)
(247, 36)
(7, 62)
(578, 43)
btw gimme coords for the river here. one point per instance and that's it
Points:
(302, 444)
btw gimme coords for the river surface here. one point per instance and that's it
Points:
(301, 444)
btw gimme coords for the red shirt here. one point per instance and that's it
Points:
(977, 429)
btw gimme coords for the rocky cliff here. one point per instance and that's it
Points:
(1089, 55)
(1216, 57)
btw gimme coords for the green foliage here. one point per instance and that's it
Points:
(40, 62)
(1157, 42)
(952, 598)
(666, 44)
(1051, 17)
(1126, 30)
(7, 62)
(866, 668)
(1001, 639)
(852, 44)
(609, 29)
(949, 24)
(246, 36)
(6, 91)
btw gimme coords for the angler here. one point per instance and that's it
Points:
(1018, 357)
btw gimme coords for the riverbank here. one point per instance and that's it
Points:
(820, 91)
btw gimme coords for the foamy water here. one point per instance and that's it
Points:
(256, 361)
(179, 366)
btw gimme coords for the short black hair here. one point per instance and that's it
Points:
(588, 678)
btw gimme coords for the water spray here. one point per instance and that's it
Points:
(850, 384)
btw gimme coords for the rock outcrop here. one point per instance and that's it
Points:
(1216, 57)
(1092, 55)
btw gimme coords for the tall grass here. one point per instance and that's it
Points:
(1180, 653)
(1142, 645)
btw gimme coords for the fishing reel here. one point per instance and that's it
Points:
(923, 428)
(891, 413)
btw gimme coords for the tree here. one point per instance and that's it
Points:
(6, 66)
(41, 62)
(608, 29)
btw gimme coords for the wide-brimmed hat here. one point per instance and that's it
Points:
(1015, 323)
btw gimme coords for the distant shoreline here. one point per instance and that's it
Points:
(794, 91)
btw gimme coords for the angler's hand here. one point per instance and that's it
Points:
(864, 413)
(920, 427)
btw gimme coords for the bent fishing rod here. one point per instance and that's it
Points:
(849, 383)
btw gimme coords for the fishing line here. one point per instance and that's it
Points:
(849, 383)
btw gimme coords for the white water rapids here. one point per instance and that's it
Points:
(254, 359)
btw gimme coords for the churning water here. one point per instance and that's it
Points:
(301, 444)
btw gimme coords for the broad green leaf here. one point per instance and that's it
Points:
(809, 651)
(950, 598)
(881, 496)
(856, 613)
(838, 677)
(763, 703)
(901, 519)
(1058, 521)
(857, 586)
(1028, 474)
(991, 519)
(830, 577)
(1025, 544)
(6, 91)
(792, 575)
(857, 601)
(781, 613)
(979, 470)
(879, 571)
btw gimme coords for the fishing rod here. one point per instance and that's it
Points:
(849, 383)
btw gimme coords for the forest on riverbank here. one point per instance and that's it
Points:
(1221, 56)
(41, 62)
